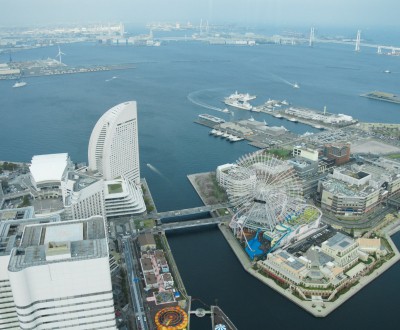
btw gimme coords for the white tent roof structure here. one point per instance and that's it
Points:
(48, 168)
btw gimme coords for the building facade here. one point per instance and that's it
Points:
(113, 146)
(339, 152)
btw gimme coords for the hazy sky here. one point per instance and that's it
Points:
(351, 13)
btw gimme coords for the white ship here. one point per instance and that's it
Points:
(293, 120)
(278, 116)
(237, 104)
(19, 84)
(241, 97)
(296, 85)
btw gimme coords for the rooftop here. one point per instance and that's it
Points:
(84, 239)
(48, 168)
(11, 231)
(339, 242)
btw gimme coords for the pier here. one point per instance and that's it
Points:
(382, 96)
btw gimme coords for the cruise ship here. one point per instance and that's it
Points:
(241, 97)
(238, 104)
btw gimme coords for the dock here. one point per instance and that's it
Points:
(382, 96)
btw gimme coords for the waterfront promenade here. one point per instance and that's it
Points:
(317, 308)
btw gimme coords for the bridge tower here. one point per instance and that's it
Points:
(358, 41)
(312, 37)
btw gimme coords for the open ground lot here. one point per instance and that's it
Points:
(373, 147)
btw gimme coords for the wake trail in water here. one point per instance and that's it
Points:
(155, 170)
(191, 98)
(107, 80)
(283, 80)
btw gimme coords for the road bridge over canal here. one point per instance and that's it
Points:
(193, 223)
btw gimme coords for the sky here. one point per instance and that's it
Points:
(344, 13)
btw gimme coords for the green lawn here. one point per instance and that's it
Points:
(115, 188)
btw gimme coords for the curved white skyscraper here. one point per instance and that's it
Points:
(113, 145)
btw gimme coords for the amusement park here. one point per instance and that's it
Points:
(270, 211)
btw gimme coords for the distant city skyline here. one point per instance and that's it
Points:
(350, 13)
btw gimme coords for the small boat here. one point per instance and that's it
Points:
(225, 110)
(296, 85)
(19, 84)
(387, 71)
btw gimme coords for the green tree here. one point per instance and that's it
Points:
(25, 201)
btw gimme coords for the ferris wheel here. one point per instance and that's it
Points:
(264, 191)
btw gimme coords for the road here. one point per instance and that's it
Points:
(134, 285)
(369, 221)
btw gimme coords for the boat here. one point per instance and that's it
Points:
(251, 118)
(19, 84)
(240, 97)
(213, 131)
(293, 120)
(278, 116)
(296, 85)
(225, 110)
(255, 109)
(237, 104)
(387, 71)
(284, 102)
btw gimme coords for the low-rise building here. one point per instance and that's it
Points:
(349, 193)
(343, 249)
(369, 245)
(147, 265)
(150, 281)
(146, 242)
(340, 152)
(47, 172)
(167, 280)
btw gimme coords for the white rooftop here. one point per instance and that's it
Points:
(64, 233)
(45, 168)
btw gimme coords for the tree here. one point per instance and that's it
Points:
(25, 201)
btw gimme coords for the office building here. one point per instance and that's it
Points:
(60, 276)
(12, 224)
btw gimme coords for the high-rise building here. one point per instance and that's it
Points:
(12, 224)
(60, 276)
(113, 145)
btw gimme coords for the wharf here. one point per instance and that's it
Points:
(43, 68)
(316, 308)
(219, 318)
(382, 96)
(206, 123)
